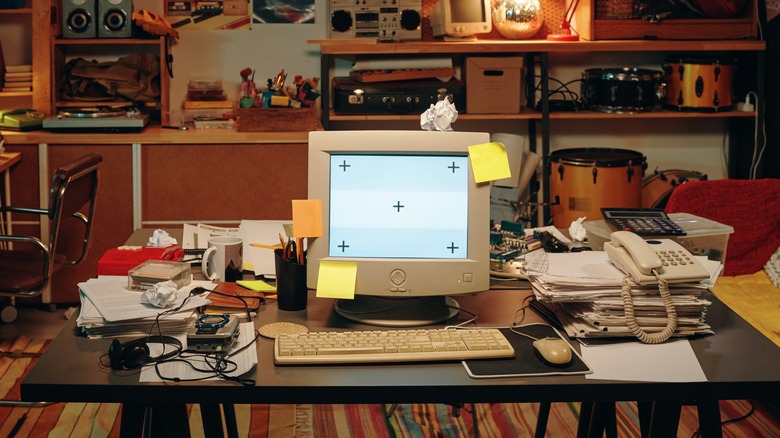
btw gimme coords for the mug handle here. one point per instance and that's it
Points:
(204, 264)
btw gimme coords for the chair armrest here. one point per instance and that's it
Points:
(13, 209)
(85, 245)
(35, 241)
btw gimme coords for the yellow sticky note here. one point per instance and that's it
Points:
(489, 161)
(307, 217)
(336, 280)
(256, 285)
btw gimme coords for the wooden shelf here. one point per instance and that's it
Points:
(527, 114)
(664, 114)
(358, 47)
(108, 41)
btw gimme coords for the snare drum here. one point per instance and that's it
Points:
(587, 179)
(622, 90)
(699, 84)
(658, 187)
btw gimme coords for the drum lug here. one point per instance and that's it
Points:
(595, 172)
(717, 73)
(560, 171)
(699, 86)
(630, 171)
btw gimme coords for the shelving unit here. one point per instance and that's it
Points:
(107, 49)
(538, 52)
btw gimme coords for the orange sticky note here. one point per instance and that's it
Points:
(489, 161)
(336, 280)
(307, 217)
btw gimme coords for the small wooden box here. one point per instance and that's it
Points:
(278, 119)
(591, 28)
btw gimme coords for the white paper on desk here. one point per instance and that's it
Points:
(265, 232)
(116, 303)
(671, 361)
(244, 360)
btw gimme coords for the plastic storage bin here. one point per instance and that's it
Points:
(704, 236)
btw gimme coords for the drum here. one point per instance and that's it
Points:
(622, 90)
(699, 84)
(584, 180)
(657, 188)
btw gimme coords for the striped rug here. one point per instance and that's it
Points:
(350, 420)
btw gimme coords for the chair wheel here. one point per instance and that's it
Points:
(8, 314)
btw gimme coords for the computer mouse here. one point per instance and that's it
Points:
(554, 351)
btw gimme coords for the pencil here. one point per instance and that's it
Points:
(263, 245)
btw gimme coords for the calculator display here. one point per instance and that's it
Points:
(642, 221)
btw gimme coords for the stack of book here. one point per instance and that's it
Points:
(17, 78)
(582, 292)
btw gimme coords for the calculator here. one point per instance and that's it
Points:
(642, 221)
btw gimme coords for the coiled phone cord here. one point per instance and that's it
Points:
(671, 313)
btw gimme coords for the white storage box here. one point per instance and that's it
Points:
(704, 236)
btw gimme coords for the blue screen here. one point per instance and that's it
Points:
(398, 206)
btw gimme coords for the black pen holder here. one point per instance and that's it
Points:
(291, 291)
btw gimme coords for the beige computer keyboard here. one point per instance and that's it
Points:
(397, 345)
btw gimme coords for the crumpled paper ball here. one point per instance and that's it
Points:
(161, 238)
(161, 295)
(577, 231)
(439, 117)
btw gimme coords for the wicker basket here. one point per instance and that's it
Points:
(615, 9)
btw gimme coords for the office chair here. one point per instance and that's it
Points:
(27, 262)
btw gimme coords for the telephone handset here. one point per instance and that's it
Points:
(638, 257)
(659, 261)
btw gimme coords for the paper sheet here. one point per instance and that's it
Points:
(265, 232)
(245, 360)
(671, 361)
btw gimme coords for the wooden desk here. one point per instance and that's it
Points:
(738, 361)
(7, 160)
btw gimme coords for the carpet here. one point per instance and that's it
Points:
(349, 420)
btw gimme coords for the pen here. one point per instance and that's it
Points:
(263, 245)
(299, 246)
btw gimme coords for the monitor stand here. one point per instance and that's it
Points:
(398, 312)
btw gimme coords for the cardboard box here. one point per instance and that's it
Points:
(493, 85)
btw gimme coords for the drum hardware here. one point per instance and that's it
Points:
(699, 84)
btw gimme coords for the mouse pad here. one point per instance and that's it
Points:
(526, 361)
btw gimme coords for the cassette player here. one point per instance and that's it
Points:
(213, 333)
(384, 20)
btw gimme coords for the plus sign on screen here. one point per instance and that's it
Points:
(399, 206)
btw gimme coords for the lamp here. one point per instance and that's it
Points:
(566, 25)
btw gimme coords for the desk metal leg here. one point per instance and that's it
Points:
(664, 419)
(154, 420)
(709, 418)
(541, 419)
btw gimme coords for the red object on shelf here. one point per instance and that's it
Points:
(117, 261)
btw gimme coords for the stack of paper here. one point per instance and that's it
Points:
(17, 78)
(110, 309)
(583, 291)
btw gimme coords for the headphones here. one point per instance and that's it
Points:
(135, 354)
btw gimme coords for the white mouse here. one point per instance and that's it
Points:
(554, 351)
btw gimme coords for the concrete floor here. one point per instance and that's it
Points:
(38, 321)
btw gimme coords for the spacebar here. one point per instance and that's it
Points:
(350, 350)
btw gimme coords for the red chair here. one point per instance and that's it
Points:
(751, 207)
(27, 262)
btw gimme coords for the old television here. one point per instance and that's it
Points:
(461, 18)
(403, 206)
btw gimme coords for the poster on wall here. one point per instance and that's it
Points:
(208, 15)
(283, 11)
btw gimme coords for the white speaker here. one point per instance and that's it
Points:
(78, 19)
(115, 18)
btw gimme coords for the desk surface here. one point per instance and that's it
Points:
(8, 159)
(738, 361)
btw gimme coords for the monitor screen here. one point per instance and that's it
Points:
(461, 18)
(402, 205)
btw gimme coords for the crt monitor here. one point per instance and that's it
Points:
(402, 205)
(461, 18)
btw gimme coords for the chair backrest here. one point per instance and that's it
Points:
(73, 186)
(751, 207)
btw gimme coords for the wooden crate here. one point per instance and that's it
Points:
(278, 119)
(590, 28)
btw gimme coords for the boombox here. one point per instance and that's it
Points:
(97, 18)
(387, 20)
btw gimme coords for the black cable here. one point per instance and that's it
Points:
(751, 411)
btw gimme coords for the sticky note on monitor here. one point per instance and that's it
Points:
(489, 161)
(336, 279)
(307, 217)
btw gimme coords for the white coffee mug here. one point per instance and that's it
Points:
(223, 260)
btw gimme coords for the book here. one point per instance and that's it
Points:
(15, 89)
(18, 68)
(21, 74)
(17, 84)
(18, 79)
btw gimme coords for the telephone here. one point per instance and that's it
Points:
(21, 119)
(659, 261)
